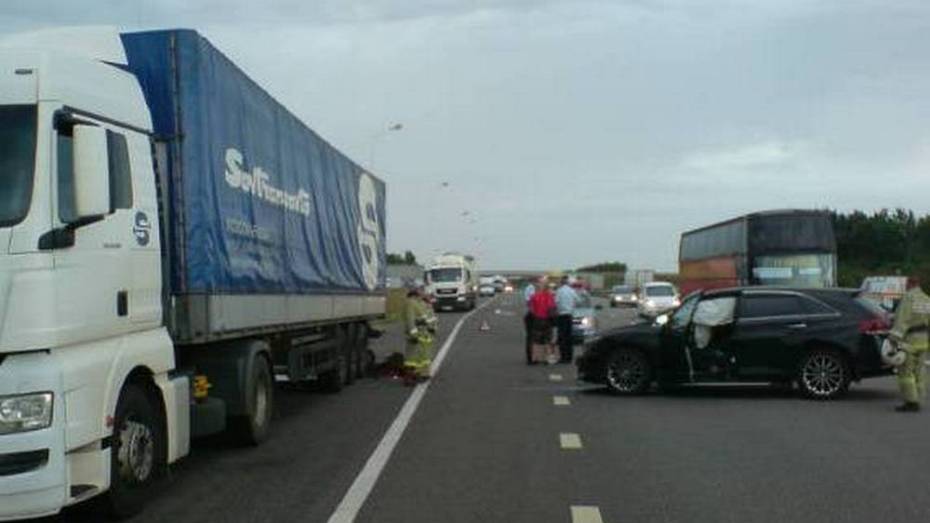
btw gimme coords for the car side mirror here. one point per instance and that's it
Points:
(91, 172)
(662, 320)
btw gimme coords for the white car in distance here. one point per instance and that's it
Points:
(657, 298)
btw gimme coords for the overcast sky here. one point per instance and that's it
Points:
(548, 133)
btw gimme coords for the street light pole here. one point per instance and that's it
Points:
(376, 138)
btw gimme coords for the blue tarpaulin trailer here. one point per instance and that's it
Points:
(264, 223)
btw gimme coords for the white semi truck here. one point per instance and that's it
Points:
(171, 240)
(452, 281)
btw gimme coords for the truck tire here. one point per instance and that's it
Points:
(334, 379)
(253, 428)
(137, 452)
(351, 356)
(361, 349)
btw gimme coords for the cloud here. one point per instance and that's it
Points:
(759, 155)
(582, 130)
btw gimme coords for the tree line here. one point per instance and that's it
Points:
(886, 242)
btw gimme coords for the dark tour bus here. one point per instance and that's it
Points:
(794, 248)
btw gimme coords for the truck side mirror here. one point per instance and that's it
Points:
(91, 172)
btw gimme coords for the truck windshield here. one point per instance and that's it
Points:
(17, 161)
(445, 275)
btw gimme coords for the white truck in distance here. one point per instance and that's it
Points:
(452, 281)
(171, 240)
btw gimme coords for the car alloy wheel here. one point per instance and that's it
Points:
(824, 375)
(628, 372)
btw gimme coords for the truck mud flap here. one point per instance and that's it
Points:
(208, 417)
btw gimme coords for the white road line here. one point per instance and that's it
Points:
(364, 483)
(586, 514)
(570, 441)
(555, 377)
(561, 401)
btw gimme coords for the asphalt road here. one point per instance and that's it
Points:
(486, 445)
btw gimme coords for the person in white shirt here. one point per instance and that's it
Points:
(566, 299)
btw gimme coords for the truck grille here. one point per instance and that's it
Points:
(22, 462)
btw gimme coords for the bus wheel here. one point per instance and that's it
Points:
(137, 453)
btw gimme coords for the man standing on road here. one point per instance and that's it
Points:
(910, 331)
(528, 293)
(565, 301)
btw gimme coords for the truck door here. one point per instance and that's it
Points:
(100, 292)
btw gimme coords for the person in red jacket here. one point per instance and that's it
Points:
(542, 307)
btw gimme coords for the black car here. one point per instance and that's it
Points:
(820, 338)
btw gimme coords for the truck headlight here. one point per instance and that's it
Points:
(585, 322)
(25, 412)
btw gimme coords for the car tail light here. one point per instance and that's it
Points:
(874, 325)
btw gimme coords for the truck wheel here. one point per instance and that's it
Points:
(137, 452)
(333, 380)
(628, 372)
(351, 358)
(253, 428)
(361, 348)
(823, 374)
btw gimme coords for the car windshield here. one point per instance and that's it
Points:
(17, 161)
(584, 301)
(660, 291)
(682, 314)
(623, 289)
(445, 275)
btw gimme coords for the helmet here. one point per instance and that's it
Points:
(892, 354)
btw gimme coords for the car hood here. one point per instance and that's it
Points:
(583, 313)
(663, 300)
(638, 331)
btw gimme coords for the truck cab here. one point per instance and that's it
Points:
(453, 282)
(80, 307)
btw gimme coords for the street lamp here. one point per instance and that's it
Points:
(376, 138)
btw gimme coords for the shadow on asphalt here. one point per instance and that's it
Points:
(740, 392)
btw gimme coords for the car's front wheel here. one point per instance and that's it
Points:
(628, 372)
(823, 374)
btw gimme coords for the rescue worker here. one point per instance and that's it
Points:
(910, 332)
(420, 324)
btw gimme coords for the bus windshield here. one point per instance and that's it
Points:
(795, 270)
